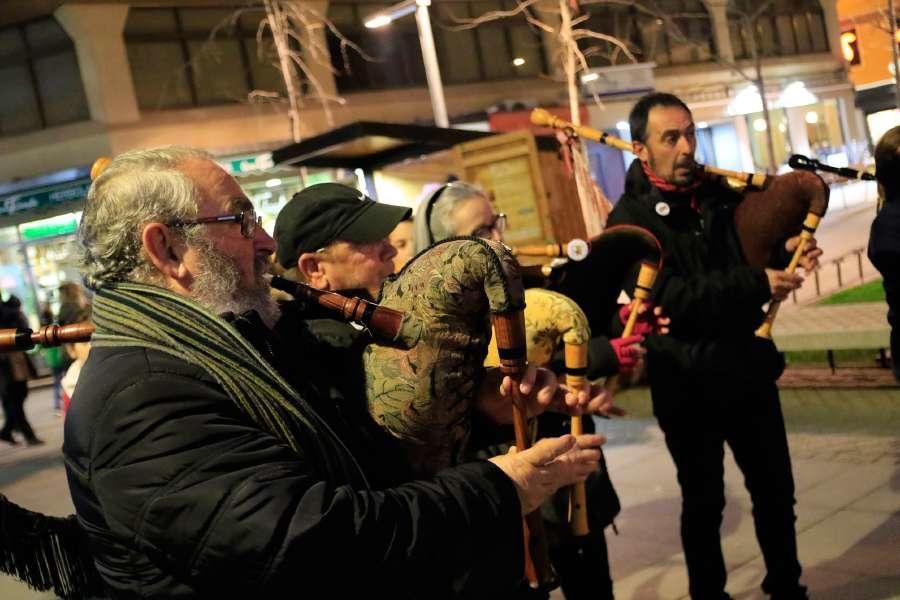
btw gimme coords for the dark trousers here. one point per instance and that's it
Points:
(14, 395)
(747, 416)
(895, 351)
(583, 568)
(58, 374)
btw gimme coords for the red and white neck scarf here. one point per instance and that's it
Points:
(666, 187)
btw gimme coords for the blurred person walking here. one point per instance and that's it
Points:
(15, 371)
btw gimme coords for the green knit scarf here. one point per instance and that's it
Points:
(131, 314)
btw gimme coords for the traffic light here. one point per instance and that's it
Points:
(850, 46)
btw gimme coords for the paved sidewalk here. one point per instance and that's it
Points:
(832, 327)
(847, 469)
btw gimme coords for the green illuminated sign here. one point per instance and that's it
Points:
(240, 165)
(44, 230)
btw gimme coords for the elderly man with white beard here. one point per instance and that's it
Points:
(197, 469)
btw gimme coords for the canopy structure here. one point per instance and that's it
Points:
(370, 145)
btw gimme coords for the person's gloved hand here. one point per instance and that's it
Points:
(628, 351)
(651, 319)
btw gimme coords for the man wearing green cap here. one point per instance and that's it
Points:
(338, 238)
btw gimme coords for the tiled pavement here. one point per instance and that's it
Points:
(847, 469)
(832, 327)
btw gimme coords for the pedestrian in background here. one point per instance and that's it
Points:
(884, 239)
(15, 371)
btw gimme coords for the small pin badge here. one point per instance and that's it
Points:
(662, 209)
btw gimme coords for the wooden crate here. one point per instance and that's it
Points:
(532, 187)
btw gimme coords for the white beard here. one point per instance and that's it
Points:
(217, 286)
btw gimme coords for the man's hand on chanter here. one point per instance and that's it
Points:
(809, 259)
(782, 283)
(550, 464)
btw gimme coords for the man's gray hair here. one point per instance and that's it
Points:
(136, 188)
(438, 225)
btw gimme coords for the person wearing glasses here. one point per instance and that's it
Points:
(196, 462)
(337, 238)
(457, 208)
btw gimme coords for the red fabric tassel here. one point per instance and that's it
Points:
(565, 148)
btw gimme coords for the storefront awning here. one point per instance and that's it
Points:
(877, 98)
(370, 145)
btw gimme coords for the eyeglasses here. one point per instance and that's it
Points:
(247, 218)
(498, 224)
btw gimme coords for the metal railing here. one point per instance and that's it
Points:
(837, 263)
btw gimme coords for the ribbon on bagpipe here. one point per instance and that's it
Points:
(595, 206)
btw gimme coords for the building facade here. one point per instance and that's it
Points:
(866, 41)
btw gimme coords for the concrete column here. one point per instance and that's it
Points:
(719, 17)
(797, 133)
(743, 135)
(315, 49)
(854, 127)
(96, 30)
(833, 29)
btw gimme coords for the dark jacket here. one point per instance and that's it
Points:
(712, 296)
(327, 355)
(182, 496)
(14, 366)
(884, 252)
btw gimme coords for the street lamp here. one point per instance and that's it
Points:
(426, 40)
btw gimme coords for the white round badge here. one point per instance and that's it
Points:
(662, 209)
(577, 249)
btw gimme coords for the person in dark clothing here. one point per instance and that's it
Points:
(884, 238)
(712, 381)
(194, 465)
(15, 371)
(335, 238)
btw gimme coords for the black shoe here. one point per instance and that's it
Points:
(8, 438)
(35, 441)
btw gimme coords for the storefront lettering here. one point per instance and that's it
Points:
(16, 203)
